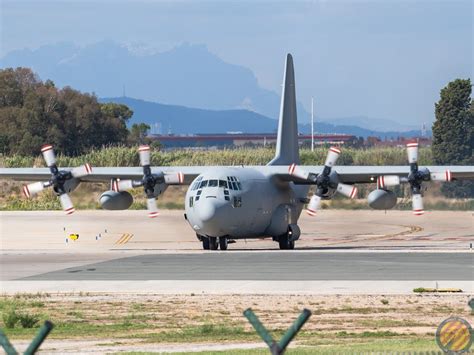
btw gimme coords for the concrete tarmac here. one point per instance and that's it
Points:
(288, 265)
(339, 251)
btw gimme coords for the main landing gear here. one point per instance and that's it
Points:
(286, 243)
(287, 240)
(213, 243)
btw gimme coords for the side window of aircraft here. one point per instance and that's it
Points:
(213, 183)
(237, 202)
(223, 183)
(191, 201)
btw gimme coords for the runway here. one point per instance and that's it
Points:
(338, 252)
(291, 266)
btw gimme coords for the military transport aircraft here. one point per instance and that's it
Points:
(235, 202)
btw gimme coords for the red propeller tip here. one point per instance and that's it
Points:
(412, 145)
(448, 175)
(311, 212)
(291, 169)
(335, 150)
(143, 148)
(353, 192)
(26, 191)
(69, 210)
(88, 168)
(418, 212)
(46, 147)
(153, 214)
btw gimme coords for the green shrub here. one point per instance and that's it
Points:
(10, 318)
(28, 320)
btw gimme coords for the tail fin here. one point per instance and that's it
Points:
(287, 151)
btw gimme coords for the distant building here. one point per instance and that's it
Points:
(242, 139)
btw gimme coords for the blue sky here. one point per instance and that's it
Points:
(384, 59)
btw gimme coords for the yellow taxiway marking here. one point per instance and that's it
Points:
(124, 238)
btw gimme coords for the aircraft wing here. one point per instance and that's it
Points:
(103, 174)
(347, 174)
(367, 174)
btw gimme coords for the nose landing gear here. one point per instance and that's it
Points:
(213, 243)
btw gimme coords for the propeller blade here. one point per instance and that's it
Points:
(66, 203)
(347, 190)
(313, 205)
(295, 170)
(152, 208)
(32, 189)
(441, 176)
(387, 180)
(81, 171)
(144, 152)
(122, 185)
(332, 156)
(417, 204)
(48, 154)
(175, 178)
(412, 152)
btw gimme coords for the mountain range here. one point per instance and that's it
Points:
(187, 77)
(185, 120)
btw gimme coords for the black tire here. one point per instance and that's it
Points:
(285, 243)
(223, 243)
(291, 245)
(205, 243)
(213, 245)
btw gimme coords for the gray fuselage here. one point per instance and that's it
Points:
(239, 202)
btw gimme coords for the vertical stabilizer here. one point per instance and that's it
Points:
(287, 151)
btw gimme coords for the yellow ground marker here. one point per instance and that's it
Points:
(454, 335)
(124, 239)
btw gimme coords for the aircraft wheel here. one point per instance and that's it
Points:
(223, 243)
(213, 245)
(285, 243)
(205, 243)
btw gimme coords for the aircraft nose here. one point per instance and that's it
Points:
(206, 210)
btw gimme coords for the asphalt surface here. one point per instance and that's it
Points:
(291, 265)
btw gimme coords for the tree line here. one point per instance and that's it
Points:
(33, 112)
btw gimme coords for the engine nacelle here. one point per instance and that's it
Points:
(111, 200)
(382, 199)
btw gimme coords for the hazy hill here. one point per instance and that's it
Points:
(187, 75)
(185, 120)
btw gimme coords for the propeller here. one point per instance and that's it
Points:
(414, 178)
(323, 181)
(148, 181)
(58, 179)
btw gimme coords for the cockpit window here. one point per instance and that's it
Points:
(203, 184)
(213, 183)
(233, 183)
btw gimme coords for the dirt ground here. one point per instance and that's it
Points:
(334, 318)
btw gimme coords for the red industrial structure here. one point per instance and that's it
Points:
(241, 139)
